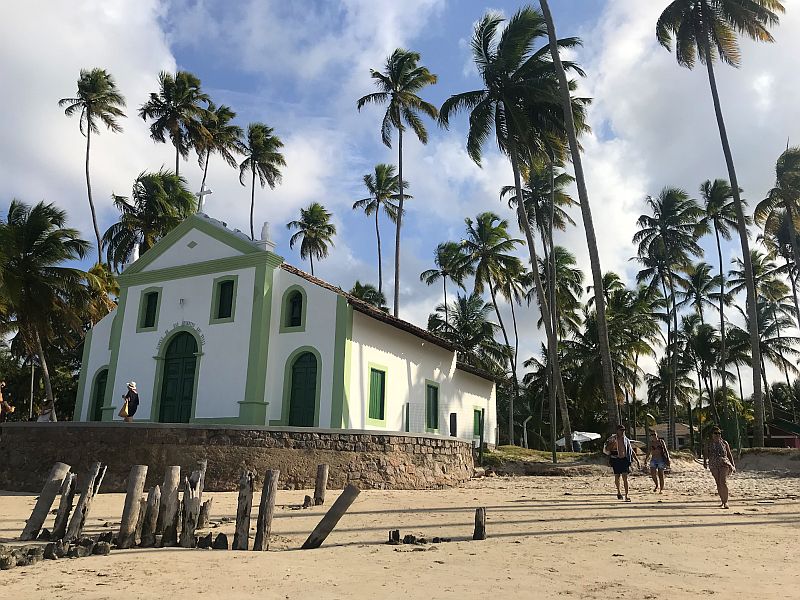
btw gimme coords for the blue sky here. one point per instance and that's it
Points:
(300, 67)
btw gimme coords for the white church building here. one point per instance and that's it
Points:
(216, 328)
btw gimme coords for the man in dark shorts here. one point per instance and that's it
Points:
(620, 449)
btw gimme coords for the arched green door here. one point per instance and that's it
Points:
(98, 395)
(302, 401)
(177, 389)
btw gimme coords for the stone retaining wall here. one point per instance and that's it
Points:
(366, 459)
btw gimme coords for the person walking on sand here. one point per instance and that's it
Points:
(622, 455)
(131, 398)
(718, 458)
(659, 460)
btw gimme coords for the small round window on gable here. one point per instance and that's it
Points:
(294, 312)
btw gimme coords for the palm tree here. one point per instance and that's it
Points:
(98, 99)
(720, 215)
(384, 192)
(177, 112)
(36, 288)
(519, 99)
(665, 241)
(699, 289)
(567, 291)
(779, 236)
(707, 29)
(224, 138)
(158, 203)
(399, 84)
(263, 158)
(586, 212)
(369, 294)
(450, 263)
(765, 276)
(103, 286)
(314, 232)
(469, 329)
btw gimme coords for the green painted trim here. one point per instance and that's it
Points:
(475, 409)
(155, 404)
(92, 399)
(143, 306)
(284, 328)
(215, 299)
(87, 344)
(217, 265)
(109, 410)
(214, 420)
(385, 370)
(253, 411)
(287, 385)
(429, 382)
(193, 222)
(341, 363)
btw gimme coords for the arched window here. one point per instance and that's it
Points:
(293, 312)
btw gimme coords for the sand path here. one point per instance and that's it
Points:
(548, 536)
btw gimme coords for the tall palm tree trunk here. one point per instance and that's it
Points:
(380, 261)
(767, 398)
(544, 309)
(311, 260)
(252, 203)
(670, 351)
(514, 382)
(722, 358)
(444, 290)
(758, 402)
(177, 161)
(588, 224)
(674, 379)
(396, 306)
(205, 170)
(48, 388)
(91, 201)
(794, 289)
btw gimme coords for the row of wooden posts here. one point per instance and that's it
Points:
(162, 520)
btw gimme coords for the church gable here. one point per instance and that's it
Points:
(197, 240)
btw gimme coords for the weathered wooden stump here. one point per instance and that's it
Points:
(266, 509)
(169, 505)
(46, 498)
(394, 537)
(480, 524)
(320, 485)
(204, 520)
(308, 502)
(93, 480)
(68, 488)
(247, 482)
(130, 515)
(148, 532)
(190, 509)
(220, 542)
(331, 518)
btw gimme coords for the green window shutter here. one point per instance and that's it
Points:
(151, 305)
(295, 312)
(476, 420)
(225, 302)
(377, 394)
(432, 407)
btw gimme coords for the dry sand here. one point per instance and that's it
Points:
(548, 536)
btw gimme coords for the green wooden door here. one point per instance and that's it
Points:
(177, 388)
(302, 402)
(98, 395)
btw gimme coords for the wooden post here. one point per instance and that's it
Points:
(204, 520)
(480, 524)
(46, 498)
(331, 518)
(68, 488)
(265, 510)
(93, 480)
(168, 513)
(130, 515)
(241, 538)
(190, 509)
(137, 534)
(202, 466)
(320, 485)
(151, 518)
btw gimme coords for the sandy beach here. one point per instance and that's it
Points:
(548, 536)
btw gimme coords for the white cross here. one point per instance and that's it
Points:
(201, 197)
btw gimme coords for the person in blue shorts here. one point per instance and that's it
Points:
(619, 447)
(659, 460)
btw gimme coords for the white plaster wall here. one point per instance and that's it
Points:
(319, 333)
(180, 253)
(99, 356)
(223, 364)
(411, 361)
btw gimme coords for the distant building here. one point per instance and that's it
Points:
(216, 328)
(681, 433)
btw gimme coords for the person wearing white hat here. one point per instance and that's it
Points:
(131, 398)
